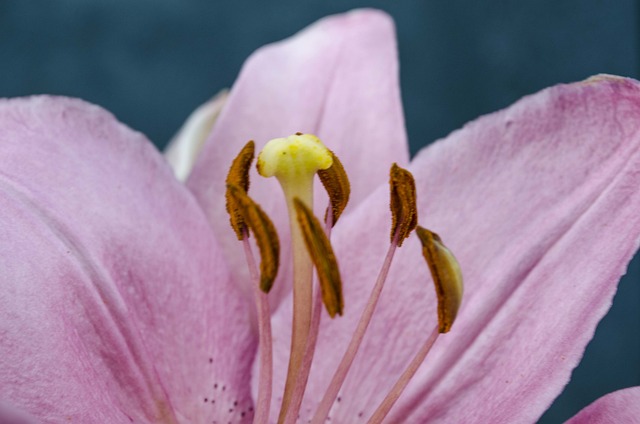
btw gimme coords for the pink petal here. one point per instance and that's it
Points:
(620, 407)
(115, 303)
(540, 204)
(11, 415)
(337, 79)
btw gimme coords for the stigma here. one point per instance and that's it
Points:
(294, 161)
(293, 157)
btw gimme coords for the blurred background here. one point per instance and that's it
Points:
(151, 62)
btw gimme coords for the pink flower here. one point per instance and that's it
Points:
(125, 296)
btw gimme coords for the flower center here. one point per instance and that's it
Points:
(294, 161)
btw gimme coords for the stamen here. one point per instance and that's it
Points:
(447, 278)
(321, 253)
(347, 359)
(335, 181)
(245, 214)
(403, 203)
(265, 379)
(405, 217)
(264, 231)
(305, 368)
(294, 161)
(404, 379)
(446, 275)
(239, 176)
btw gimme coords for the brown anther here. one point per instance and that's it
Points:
(238, 176)
(403, 203)
(446, 275)
(321, 254)
(263, 230)
(335, 181)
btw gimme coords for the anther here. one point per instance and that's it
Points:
(336, 183)
(403, 203)
(264, 231)
(321, 254)
(238, 176)
(446, 275)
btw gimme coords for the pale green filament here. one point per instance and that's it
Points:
(294, 161)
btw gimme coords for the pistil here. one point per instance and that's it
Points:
(302, 289)
(294, 161)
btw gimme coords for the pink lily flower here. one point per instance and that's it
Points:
(125, 296)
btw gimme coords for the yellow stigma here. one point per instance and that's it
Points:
(292, 158)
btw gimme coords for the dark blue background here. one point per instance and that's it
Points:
(151, 62)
